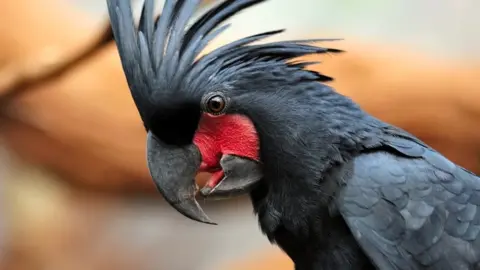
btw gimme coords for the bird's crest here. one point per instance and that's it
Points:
(160, 56)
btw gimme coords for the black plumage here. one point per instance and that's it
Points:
(160, 62)
(340, 188)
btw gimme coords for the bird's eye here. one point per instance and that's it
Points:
(215, 103)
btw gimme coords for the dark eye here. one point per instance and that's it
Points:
(215, 103)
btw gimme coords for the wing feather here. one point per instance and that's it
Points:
(413, 212)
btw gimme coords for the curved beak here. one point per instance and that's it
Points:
(173, 170)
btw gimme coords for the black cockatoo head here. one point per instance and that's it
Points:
(212, 113)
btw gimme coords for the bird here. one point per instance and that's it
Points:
(333, 186)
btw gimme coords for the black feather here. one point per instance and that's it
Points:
(146, 25)
(159, 59)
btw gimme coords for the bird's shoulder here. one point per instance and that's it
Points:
(409, 207)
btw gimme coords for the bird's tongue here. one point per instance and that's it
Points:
(216, 172)
(216, 176)
(215, 179)
(237, 176)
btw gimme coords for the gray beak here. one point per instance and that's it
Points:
(173, 170)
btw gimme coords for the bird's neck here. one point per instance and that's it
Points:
(308, 229)
(301, 140)
(305, 224)
(294, 202)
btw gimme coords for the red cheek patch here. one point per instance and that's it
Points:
(226, 134)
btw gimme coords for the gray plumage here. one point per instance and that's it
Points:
(414, 209)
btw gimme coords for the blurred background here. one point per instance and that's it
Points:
(74, 187)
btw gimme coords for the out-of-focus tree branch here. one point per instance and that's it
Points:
(40, 38)
(24, 81)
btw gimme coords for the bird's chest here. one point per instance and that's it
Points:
(322, 246)
(297, 230)
(309, 231)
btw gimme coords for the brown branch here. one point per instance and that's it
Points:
(58, 69)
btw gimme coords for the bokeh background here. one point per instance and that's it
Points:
(74, 188)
